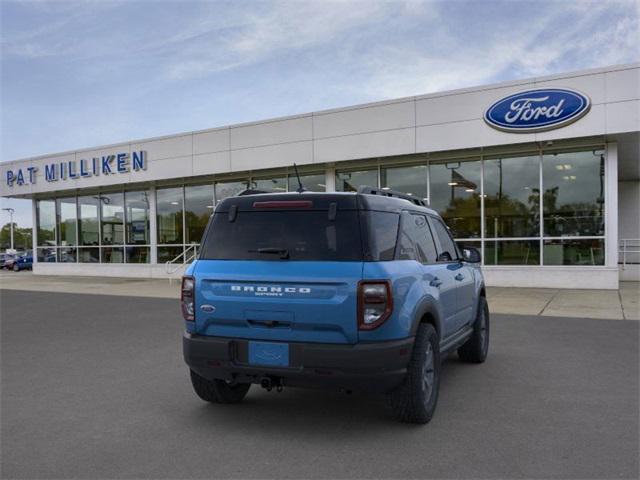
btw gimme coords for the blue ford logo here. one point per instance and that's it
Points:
(537, 110)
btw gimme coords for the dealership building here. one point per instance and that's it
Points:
(541, 174)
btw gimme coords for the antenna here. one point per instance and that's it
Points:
(300, 188)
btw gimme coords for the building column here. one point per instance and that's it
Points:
(153, 226)
(611, 205)
(34, 230)
(330, 178)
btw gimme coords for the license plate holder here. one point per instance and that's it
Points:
(269, 354)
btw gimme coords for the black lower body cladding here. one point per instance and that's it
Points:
(371, 367)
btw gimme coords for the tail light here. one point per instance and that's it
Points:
(375, 303)
(187, 298)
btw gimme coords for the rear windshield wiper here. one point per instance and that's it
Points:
(283, 252)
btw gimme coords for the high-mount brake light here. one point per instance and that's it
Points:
(187, 298)
(375, 303)
(284, 204)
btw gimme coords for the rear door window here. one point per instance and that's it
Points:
(416, 242)
(279, 235)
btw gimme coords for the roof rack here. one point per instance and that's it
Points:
(250, 191)
(391, 193)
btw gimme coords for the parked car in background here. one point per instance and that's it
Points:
(7, 261)
(23, 262)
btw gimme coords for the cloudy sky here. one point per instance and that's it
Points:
(80, 74)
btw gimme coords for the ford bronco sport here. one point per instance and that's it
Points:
(353, 291)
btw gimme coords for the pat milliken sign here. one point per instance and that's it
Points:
(117, 163)
(537, 110)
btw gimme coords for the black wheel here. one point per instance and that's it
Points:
(415, 400)
(16, 268)
(218, 391)
(475, 349)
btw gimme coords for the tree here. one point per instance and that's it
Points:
(21, 237)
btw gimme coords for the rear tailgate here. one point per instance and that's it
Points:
(293, 301)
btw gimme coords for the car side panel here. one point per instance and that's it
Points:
(408, 294)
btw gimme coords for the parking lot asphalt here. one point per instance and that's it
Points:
(94, 386)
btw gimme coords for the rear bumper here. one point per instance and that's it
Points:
(377, 366)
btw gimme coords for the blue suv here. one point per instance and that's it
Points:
(352, 291)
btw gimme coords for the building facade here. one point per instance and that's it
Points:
(542, 175)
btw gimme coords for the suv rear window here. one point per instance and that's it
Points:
(276, 235)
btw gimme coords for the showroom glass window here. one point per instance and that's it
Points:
(198, 207)
(169, 208)
(573, 207)
(46, 222)
(573, 197)
(276, 184)
(311, 182)
(67, 221)
(455, 195)
(112, 218)
(112, 227)
(136, 206)
(512, 197)
(88, 229)
(411, 180)
(351, 181)
(137, 218)
(67, 229)
(46, 230)
(169, 218)
(511, 252)
(574, 251)
(229, 189)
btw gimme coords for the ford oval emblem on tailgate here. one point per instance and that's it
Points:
(207, 308)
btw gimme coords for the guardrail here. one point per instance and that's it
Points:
(627, 248)
(187, 256)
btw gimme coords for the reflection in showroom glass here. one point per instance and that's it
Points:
(512, 197)
(455, 195)
(351, 181)
(574, 252)
(573, 197)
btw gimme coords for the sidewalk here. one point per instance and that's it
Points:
(623, 304)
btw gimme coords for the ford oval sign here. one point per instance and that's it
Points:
(537, 110)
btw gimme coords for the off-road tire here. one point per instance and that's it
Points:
(475, 349)
(414, 401)
(218, 391)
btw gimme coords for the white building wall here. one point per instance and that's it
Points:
(629, 209)
(428, 123)
(629, 229)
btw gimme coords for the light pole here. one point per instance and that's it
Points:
(11, 212)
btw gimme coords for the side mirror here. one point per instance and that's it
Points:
(471, 255)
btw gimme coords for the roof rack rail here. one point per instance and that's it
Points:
(250, 191)
(391, 193)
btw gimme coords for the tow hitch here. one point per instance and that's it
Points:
(269, 383)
